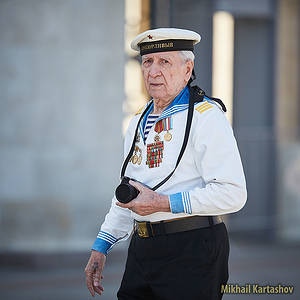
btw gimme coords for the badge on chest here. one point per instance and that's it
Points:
(137, 156)
(155, 153)
(164, 125)
(155, 150)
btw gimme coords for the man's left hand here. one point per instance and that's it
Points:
(147, 202)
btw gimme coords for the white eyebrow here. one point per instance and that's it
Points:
(161, 57)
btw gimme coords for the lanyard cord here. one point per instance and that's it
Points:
(196, 95)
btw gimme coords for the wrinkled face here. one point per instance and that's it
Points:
(165, 74)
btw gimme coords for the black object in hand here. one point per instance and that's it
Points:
(126, 192)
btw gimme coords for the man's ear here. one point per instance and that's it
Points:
(189, 70)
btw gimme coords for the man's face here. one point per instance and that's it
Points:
(165, 74)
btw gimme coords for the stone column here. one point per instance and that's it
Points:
(288, 119)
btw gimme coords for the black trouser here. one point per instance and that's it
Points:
(186, 265)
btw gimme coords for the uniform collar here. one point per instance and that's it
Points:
(180, 103)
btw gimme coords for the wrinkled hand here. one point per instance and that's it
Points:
(147, 202)
(93, 272)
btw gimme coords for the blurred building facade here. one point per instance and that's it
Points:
(62, 89)
(265, 102)
(64, 99)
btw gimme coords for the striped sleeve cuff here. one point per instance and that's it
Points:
(104, 242)
(180, 203)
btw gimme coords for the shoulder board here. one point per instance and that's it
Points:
(203, 106)
(140, 110)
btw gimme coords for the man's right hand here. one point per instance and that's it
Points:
(93, 272)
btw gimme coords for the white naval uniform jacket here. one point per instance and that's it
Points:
(208, 181)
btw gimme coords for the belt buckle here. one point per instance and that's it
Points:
(142, 229)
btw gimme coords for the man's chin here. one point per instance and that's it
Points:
(156, 93)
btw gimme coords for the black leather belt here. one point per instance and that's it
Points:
(150, 229)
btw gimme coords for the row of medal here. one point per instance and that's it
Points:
(155, 149)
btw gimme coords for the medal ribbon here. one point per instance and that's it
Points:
(167, 123)
(164, 125)
(154, 154)
(159, 126)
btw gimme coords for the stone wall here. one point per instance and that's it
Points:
(61, 87)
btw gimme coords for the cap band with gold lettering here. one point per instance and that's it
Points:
(166, 45)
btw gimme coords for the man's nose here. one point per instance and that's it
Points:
(154, 70)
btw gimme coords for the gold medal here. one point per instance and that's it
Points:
(137, 156)
(164, 125)
(168, 136)
(139, 160)
(134, 159)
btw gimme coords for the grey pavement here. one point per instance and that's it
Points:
(259, 263)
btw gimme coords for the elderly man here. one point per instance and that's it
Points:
(183, 157)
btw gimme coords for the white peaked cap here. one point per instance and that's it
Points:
(165, 39)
